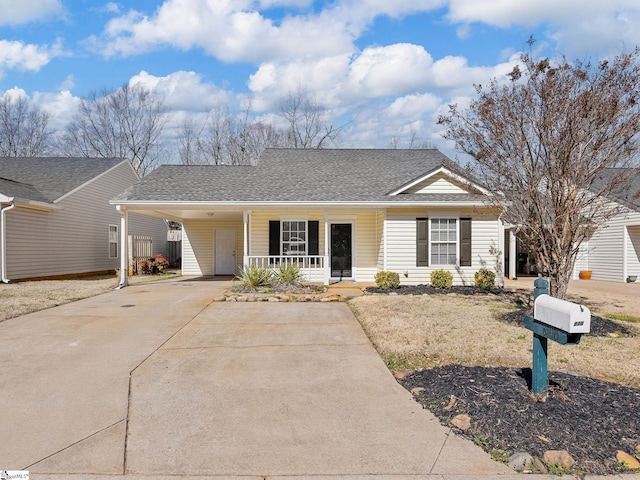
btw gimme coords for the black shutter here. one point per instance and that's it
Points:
(422, 242)
(274, 237)
(465, 242)
(312, 239)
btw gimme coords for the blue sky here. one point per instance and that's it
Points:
(385, 68)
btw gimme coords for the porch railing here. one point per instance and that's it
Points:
(312, 267)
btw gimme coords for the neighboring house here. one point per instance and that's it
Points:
(56, 220)
(612, 252)
(338, 214)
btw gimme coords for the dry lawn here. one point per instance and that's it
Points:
(25, 297)
(423, 331)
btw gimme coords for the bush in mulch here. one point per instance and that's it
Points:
(591, 419)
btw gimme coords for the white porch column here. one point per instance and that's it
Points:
(384, 241)
(124, 247)
(245, 221)
(327, 266)
(512, 254)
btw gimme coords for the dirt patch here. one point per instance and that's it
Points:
(589, 418)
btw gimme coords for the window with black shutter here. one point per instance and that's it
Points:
(422, 242)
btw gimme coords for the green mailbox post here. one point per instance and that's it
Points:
(561, 321)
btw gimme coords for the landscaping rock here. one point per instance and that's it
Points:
(416, 391)
(220, 298)
(539, 466)
(521, 461)
(231, 299)
(627, 460)
(241, 299)
(463, 422)
(559, 457)
(273, 299)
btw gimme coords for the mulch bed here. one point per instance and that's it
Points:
(429, 290)
(591, 419)
(600, 327)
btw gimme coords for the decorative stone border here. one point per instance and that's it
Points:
(278, 297)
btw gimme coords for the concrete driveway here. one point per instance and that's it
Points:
(157, 380)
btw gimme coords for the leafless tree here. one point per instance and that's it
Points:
(225, 139)
(125, 123)
(24, 130)
(413, 142)
(546, 139)
(306, 119)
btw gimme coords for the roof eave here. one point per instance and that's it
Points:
(278, 204)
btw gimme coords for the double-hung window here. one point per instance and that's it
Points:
(294, 237)
(113, 241)
(443, 242)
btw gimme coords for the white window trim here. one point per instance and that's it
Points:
(457, 241)
(306, 234)
(116, 242)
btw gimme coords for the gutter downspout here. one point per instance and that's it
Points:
(3, 239)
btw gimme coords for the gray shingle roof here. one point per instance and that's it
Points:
(628, 192)
(11, 188)
(295, 175)
(53, 177)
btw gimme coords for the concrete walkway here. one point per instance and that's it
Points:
(157, 380)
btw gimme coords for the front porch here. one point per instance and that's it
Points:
(327, 245)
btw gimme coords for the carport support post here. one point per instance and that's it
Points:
(539, 372)
(124, 247)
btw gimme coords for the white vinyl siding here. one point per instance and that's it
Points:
(611, 245)
(401, 245)
(439, 183)
(72, 239)
(198, 255)
(365, 252)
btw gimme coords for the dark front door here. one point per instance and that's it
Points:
(341, 250)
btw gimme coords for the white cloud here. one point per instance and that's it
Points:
(392, 70)
(59, 105)
(600, 36)
(183, 91)
(413, 106)
(15, 12)
(16, 55)
(230, 31)
(504, 13)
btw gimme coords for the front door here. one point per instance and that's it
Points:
(341, 254)
(225, 251)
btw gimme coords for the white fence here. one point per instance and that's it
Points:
(140, 248)
(312, 267)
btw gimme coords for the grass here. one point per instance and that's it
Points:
(411, 332)
(26, 297)
(622, 317)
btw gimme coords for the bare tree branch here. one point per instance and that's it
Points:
(558, 140)
(125, 123)
(24, 130)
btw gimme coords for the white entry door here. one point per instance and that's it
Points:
(225, 251)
